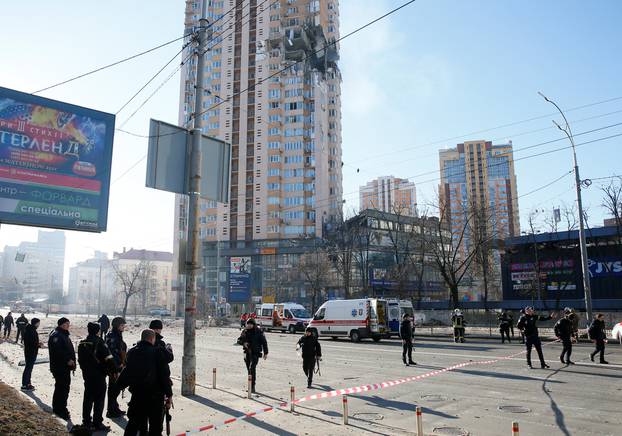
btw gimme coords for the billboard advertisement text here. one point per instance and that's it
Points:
(240, 280)
(54, 163)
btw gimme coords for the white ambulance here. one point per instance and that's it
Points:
(356, 319)
(286, 317)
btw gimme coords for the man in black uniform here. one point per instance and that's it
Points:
(148, 376)
(311, 351)
(564, 332)
(254, 343)
(597, 334)
(8, 323)
(20, 324)
(31, 349)
(407, 333)
(118, 349)
(104, 323)
(95, 361)
(157, 326)
(62, 362)
(504, 326)
(527, 324)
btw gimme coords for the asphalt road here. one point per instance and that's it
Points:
(583, 399)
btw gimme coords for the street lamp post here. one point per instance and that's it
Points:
(582, 240)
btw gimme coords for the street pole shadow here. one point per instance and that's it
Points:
(388, 404)
(236, 413)
(44, 406)
(333, 414)
(559, 415)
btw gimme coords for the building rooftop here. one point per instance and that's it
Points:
(132, 254)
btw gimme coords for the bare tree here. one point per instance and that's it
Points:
(483, 230)
(131, 281)
(612, 203)
(400, 234)
(364, 238)
(315, 268)
(340, 248)
(455, 250)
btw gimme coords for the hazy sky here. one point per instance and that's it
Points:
(421, 80)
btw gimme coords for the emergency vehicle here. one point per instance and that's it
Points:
(286, 317)
(397, 309)
(356, 319)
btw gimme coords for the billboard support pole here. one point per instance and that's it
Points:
(188, 368)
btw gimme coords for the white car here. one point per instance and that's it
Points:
(616, 332)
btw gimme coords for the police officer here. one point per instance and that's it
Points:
(95, 361)
(62, 362)
(564, 332)
(407, 333)
(104, 323)
(157, 326)
(8, 323)
(147, 375)
(598, 336)
(31, 349)
(254, 342)
(118, 349)
(20, 324)
(504, 326)
(311, 351)
(528, 324)
(457, 320)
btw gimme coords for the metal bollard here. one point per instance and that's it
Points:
(214, 378)
(250, 385)
(419, 422)
(292, 397)
(345, 409)
(515, 428)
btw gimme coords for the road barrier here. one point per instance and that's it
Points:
(352, 390)
(344, 401)
(419, 422)
(515, 428)
(214, 378)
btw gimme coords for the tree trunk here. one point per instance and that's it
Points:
(453, 289)
(127, 299)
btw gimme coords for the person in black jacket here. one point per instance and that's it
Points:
(20, 324)
(598, 336)
(311, 351)
(104, 323)
(504, 327)
(564, 332)
(254, 343)
(62, 362)
(118, 349)
(157, 326)
(147, 375)
(8, 323)
(95, 361)
(527, 324)
(31, 349)
(407, 333)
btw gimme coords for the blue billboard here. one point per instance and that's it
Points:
(54, 163)
(240, 280)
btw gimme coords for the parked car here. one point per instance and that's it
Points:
(160, 312)
(616, 332)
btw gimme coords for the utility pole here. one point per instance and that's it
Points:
(582, 241)
(188, 368)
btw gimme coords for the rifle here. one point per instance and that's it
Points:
(167, 415)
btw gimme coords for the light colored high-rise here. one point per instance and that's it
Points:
(389, 194)
(272, 90)
(481, 175)
(37, 266)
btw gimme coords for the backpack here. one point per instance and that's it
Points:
(557, 328)
(87, 354)
(592, 331)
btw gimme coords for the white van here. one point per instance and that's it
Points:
(286, 317)
(397, 309)
(356, 319)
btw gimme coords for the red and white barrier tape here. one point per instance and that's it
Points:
(353, 390)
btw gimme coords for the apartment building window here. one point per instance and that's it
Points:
(274, 172)
(274, 93)
(275, 158)
(294, 201)
(274, 131)
(274, 118)
(274, 186)
(274, 200)
(274, 145)
(293, 159)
